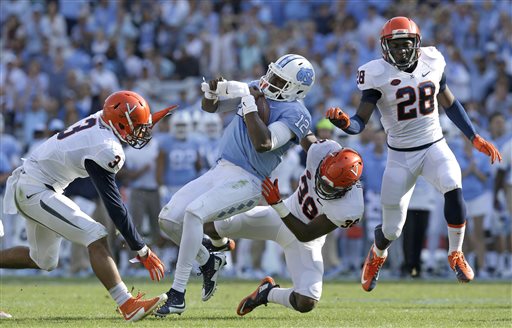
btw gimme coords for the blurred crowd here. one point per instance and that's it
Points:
(60, 59)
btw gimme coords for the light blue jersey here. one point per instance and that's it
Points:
(236, 146)
(181, 157)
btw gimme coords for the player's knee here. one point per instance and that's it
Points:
(48, 263)
(454, 207)
(391, 233)
(302, 303)
(172, 229)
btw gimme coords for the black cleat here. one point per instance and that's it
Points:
(210, 272)
(175, 304)
(257, 298)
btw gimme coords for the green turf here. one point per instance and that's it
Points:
(45, 302)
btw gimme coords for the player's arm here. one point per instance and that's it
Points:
(221, 96)
(317, 227)
(356, 123)
(456, 113)
(308, 140)
(263, 138)
(105, 184)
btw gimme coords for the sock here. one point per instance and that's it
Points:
(455, 237)
(203, 255)
(219, 242)
(280, 296)
(120, 293)
(379, 252)
(189, 249)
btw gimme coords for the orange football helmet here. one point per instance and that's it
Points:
(396, 53)
(337, 173)
(129, 116)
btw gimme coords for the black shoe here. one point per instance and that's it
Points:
(257, 298)
(175, 304)
(210, 272)
(228, 246)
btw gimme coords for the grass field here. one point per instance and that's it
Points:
(50, 302)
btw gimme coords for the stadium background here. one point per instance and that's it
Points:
(60, 59)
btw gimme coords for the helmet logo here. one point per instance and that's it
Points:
(305, 76)
(355, 169)
(130, 110)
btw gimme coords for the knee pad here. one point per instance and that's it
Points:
(392, 229)
(172, 229)
(47, 263)
(454, 207)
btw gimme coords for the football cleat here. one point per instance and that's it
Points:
(460, 266)
(175, 304)
(210, 272)
(257, 298)
(371, 269)
(229, 246)
(136, 308)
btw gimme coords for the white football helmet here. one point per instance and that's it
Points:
(181, 125)
(212, 125)
(288, 79)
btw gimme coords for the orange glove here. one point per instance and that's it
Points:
(487, 148)
(152, 263)
(270, 191)
(338, 117)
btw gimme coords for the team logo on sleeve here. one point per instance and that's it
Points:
(305, 76)
(395, 82)
(115, 162)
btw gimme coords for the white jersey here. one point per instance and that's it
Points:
(305, 204)
(408, 105)
(61, 158)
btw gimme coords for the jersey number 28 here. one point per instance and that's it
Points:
(426, 93)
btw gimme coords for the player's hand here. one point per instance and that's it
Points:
(248, 105)
(270, 191)
(487, 148)
(210, 89)
(255, 92)
(338, 117)
(232, 89)
(153, 264)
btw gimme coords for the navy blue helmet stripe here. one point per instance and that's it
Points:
(282, 63)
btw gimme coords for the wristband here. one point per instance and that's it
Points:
(281, 209)
(143, 251)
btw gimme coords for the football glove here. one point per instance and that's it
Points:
(270, 191)
(151, 262)
(210, 88)
(232, 89)
(487, 148)
(338, 117)
(248, 104)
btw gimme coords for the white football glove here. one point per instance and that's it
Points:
(248, 105)
(232, 89)
(208, 94)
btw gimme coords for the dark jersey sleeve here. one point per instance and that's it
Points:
(442, 83)
(371, 96)
(105, 184)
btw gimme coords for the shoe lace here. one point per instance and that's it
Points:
(458, 259)
(139, 296)
(375, 265)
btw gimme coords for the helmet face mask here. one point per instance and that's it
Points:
(337, 173)
(288, 79)
(400, 42)
(129, 116)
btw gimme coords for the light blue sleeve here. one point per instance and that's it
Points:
(297, 118)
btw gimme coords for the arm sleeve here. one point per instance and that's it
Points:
(442, 83)
(356, 125)
(459, 117)
(228, 105)
(105, 184)
(280, 134)
(371, 96)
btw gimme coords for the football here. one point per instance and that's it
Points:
(263, 109)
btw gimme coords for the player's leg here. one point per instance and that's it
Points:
(442, 170)
(397, 188)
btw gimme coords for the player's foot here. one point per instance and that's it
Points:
(210, 272)
(461, 267)
(5, 315)
(228, 246)
(136, 308)
(257, 298)
(175, 304)
(371, 269)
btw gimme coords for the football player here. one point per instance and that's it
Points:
(90, 147)
(249, 151)
(406, 85)
(328, 196)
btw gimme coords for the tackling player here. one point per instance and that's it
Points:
(90, 147)
(406, 85)
(328, 196)
(249, 151)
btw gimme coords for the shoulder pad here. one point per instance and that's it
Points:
(433, 57)
(368, 74)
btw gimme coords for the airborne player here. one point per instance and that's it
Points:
(328, 196)
(249, 151)
(406, 85)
